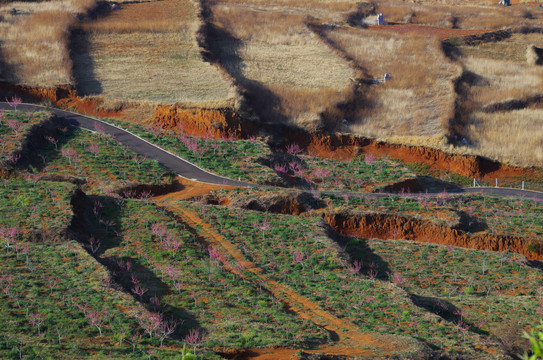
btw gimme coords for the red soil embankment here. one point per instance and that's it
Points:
(380, 226)
(63, 96)
(343, 146)
(198, 122)
(225, 123)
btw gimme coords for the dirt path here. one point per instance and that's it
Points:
(187, 189)
(351, 341)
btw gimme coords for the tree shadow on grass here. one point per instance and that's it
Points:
(223, 49)
(43, 143)
(131, 274)
(8, 74)
(470, 223)
(104, 215)
(359, 252)
(83, 69)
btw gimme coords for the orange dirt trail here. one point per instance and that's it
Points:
(352, 342)
(186, 189)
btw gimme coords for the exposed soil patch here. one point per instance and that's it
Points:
(381, 226)
(62, 96)
(184, 189)
(199, 122)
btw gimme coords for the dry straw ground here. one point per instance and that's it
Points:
(147, 52)
(501, 73)
(269, 51)
(513, 136)
(460, 14)
(34, 41)
(419, 98)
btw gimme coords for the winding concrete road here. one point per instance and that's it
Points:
(190, 171)
(143, 147)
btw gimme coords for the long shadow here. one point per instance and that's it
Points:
(470, 223)
(103, 221)
(359, 252)
(83, 70)
(43, 142)
(105, 218)
(339, 116)
(8, 73)
(223, 49)
(444, 309)
(137, 274)
(288, 177)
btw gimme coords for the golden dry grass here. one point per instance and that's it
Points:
(34, 42)
(463, 15)
(324, 10)
(293, 73)
(502, 80)
(419, 98)
(512, 49)
(501, 73)
(148, 52)
(515, 136)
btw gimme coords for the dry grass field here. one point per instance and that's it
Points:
(514, 136)
(148, 52)
(512, 49)
(419, 98)
(34, 41)
(500, 73)
(499, 80)
(290, 74)
(460, 14)
(301, 62)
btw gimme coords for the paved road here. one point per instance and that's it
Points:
(190, 171)
(170, 161)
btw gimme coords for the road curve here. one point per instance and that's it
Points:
(165, 158)
(190, 171)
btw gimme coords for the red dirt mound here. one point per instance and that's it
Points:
(198, 122)
(64, 96)
(380, 226)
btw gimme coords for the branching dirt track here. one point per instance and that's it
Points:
(350, 340)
